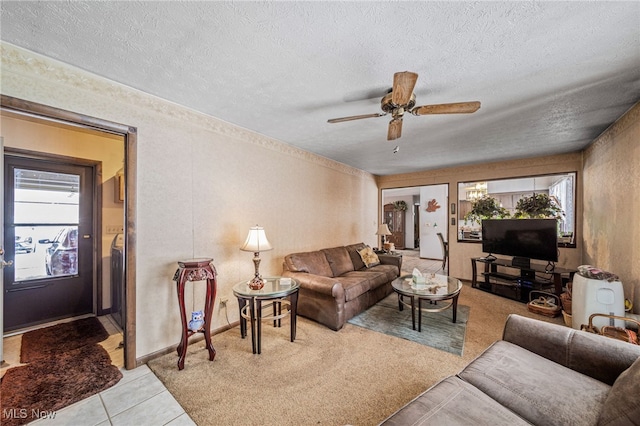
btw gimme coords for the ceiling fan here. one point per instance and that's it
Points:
(401, 99)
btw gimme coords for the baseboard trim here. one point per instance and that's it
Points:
(146, 358)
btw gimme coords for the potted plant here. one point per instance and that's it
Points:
(400, 205)
(486, 207)
(538, 206)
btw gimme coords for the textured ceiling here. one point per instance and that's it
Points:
(551, 76)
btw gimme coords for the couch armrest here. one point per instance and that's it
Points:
(390, 259)
(600, 357)
(318, 283)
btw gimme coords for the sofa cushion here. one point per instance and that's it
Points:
(453, 402)
(537, 389)
(375, 278)
(339, 260)
(369, 258)
(354, 287)
(621, 406)
(390, 271)
(353, 250)
(596, 356)
(313, 262)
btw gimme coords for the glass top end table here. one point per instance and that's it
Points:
(277, 290)
(273, 286)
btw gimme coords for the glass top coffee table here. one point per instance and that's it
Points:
(440, 292)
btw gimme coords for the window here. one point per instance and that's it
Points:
(561, 188)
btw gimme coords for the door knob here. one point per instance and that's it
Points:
(2, 262)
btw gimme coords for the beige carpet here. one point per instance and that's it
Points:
(355, 376)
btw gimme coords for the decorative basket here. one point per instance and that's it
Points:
(618, 333)
(567, 318)
(547, 304)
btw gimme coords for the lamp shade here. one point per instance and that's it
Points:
(383, 230)
(256, 240)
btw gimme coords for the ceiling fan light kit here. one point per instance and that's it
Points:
(401, 99)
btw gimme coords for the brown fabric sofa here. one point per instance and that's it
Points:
(539, 373)
(336, 285)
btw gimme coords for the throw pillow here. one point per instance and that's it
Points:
(354, 254)
(621, 406)
(369, 257)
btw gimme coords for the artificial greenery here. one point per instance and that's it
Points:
(486, 207)
(538, 206)
(400, 205)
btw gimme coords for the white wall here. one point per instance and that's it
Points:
(201, 184)
(432, 223)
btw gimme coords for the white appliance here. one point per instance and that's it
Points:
(591, 296)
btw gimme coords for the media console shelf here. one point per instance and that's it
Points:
(503, 277)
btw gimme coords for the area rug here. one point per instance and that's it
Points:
(438, 330)
(43, 342)
(57, 377)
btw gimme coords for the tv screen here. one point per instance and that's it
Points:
(526, 238)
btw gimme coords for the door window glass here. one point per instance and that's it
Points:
(46, 217)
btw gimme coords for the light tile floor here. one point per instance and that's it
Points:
(139, 398)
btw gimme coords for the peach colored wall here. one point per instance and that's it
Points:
(461, 253)
(612, 202)
(201, 183)
(28, 134)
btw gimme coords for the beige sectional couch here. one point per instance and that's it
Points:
(539, 373)
(335, 283)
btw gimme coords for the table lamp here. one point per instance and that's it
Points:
(256, 242)
(383, 230)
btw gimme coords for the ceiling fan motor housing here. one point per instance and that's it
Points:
(388, 106)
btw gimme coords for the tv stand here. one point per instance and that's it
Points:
(521, 262)
(489, 258)
(515, 280)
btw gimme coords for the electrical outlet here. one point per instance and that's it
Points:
(223, 302)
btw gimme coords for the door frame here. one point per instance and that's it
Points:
(129, 135)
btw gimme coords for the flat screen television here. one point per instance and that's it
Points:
(524, 239)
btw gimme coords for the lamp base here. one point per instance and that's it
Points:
(256, 283)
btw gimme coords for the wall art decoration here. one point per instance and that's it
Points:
(432, 206)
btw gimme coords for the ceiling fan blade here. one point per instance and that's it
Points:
(455, 108)
(395, 129)
(355, 117)
(403, 84)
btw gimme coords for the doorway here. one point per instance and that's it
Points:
(49, 233)
(427, 218)
(128, 137)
